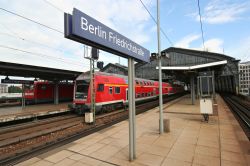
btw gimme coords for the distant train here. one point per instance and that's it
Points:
(43, 92)
(111, 91)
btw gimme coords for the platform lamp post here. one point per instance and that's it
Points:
(157, 56)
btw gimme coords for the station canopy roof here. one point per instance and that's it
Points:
(46, 73)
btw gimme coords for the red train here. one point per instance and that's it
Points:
(112, 91)
(43, 92)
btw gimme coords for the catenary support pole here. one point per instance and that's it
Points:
(134, 110)
(130, 105)
(160, 72)
(213, 84)
(192, 89)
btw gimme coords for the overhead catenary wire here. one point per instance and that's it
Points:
(31, 20)
(164, 34)
(201, 26)
(30, 41)
(54, 6)
(8, 29)
(41, 55)
(21, 38)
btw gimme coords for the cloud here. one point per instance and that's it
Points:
(240, 50)
(211, 45)
(187, 40)
(222, 11)
(214, 45)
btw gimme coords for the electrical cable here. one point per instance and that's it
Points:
(201, 25)
(42, 55)
(36, 22)
(30, 41)
(54, 6)
(164, 34)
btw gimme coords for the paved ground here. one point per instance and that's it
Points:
(16, 112)
(190, 142)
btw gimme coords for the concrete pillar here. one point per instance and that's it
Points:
(213, 85)
(198, 87)
(192, 89)
(131, 101)
(56, 93)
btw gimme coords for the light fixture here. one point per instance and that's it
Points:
(153, 56)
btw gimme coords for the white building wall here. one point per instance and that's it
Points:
(244, 78)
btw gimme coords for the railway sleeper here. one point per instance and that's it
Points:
(36, 128)
(10, 141)
(5, 130)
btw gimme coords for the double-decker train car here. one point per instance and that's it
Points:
(111, 91)
(43, 92)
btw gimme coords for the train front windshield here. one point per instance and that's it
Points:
(81, 89)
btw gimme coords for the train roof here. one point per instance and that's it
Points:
(86, 76)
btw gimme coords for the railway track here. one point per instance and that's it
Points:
(18, 143)
(241, 111)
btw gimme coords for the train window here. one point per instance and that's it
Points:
(117, 90)
(100, 87)
(142, 95)
(141, 83)
(110, 90)
(137, 82)
(152, 93)
(149, 94)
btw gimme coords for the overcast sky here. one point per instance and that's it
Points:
(225, 23)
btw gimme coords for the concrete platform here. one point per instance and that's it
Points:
(191, 141)
(15, 113)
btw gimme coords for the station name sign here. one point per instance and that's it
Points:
(84, 29)
(16, 81)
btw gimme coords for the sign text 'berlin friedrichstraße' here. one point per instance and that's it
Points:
(82, 28)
